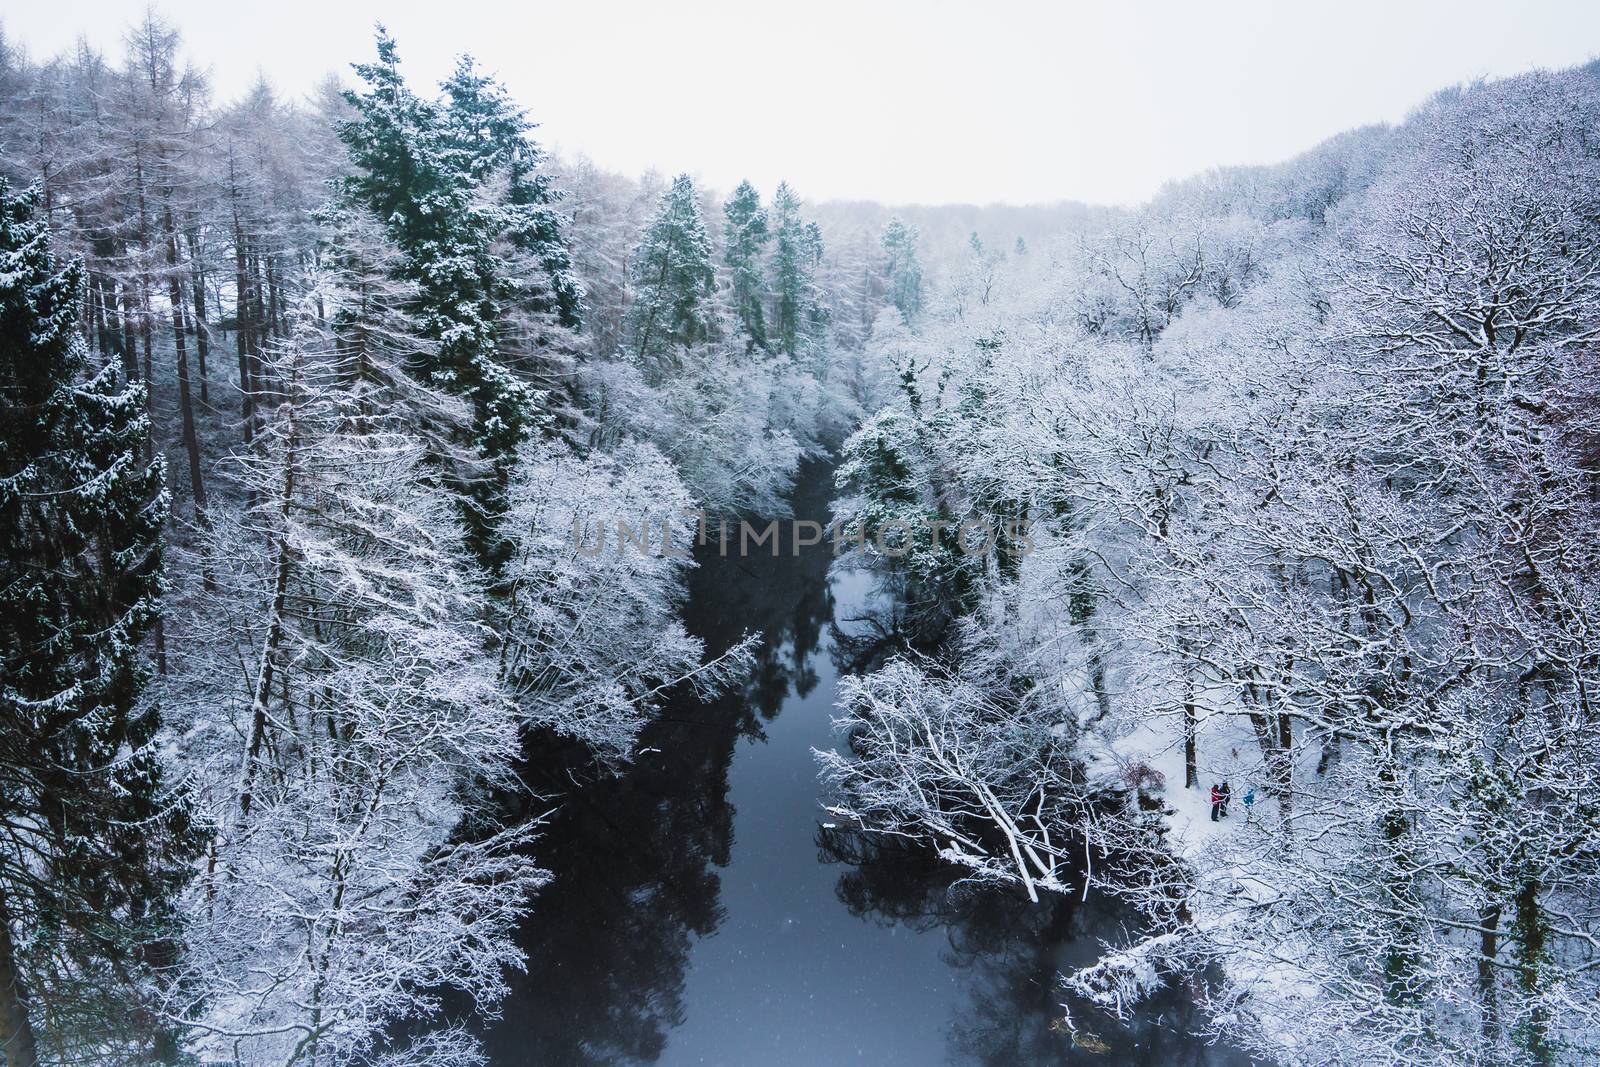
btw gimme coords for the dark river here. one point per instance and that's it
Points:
(701, 914)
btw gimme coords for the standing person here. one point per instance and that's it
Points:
(1249, 802)
(1226, 794)
(1216, 802)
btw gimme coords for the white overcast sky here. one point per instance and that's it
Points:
(930, 101)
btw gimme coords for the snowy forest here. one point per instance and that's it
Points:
(1288, 643)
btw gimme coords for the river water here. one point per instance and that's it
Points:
(701, 913)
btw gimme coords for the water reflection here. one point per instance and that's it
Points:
(691, 922)
(1010, 954)
(636, 857)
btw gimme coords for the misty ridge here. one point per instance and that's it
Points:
(407, 528)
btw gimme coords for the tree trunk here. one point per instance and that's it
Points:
(1278, 756)
(269, 651)
(1081, 608)
(1488, 949)
(130, 347)
(1530, 929)
(114, 332)
(147, 340)
(263, 690)
(16, 1027)
(202, 332)
(260, 326)
(161, 643)
(1402, 956)
(95, 310)
(272, 299)
(1097, 678)
(1191, 755)
(191, 441)
(90, 326)
(130, 365)
(242, 334)
(1286, 734)
(145, 316)
(1329, 753)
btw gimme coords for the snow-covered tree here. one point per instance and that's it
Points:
(673, 283)
(745, 238)
(902, 269)
(956, 763)
(349, 881)
(591, 635)
(798, 315)
(496, 133)
(419, 174)
(94, 837)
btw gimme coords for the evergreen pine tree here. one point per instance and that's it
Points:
(902, 269)
(488, 125)
(672, 279)
(799, 313)
(379, 342)
(417, 173)
(93, 841)
(745, 239)
(421, 174)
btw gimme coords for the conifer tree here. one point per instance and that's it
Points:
(373, 327)
(417, 174)
(745, 239)
(672, 278)
(92, 840)
(422, 175)
(799, 313)
(487, 123)
(902, 268)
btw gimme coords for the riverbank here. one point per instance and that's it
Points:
(700, 913)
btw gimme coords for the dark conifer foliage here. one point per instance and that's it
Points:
(745, 238)
(93, 836)
(488, 124)
(673, 280)
(418, 175)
